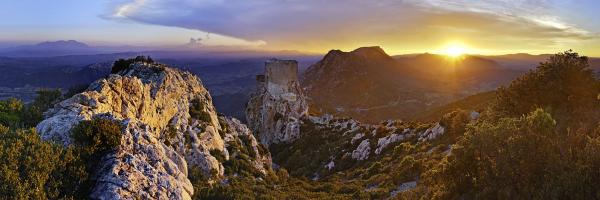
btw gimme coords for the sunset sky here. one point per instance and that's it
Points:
(399, 26)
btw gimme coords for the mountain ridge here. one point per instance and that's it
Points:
(369, 85)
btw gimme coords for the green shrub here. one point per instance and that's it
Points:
(97, 135)
(122, 64)
(565, 86)
(33, 114)
(197, 111)
(218, 155)
(247, 145)
(511, 148)
(171, 133)
(34, 169)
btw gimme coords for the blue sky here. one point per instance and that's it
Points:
(32, 21)
(399, 26)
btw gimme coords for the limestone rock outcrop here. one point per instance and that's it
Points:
(362, 151)
(170, 126)
(432, 133)
(275, 110)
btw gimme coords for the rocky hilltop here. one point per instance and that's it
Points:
(369, 85)
(170, 126)
(275, 110)
(366, 84)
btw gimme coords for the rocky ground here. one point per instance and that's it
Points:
(170, 126)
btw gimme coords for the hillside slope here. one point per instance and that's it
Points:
(477, 102)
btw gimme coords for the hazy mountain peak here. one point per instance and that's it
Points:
(63, 44)
(374, 53)
(49, 48)
(369, 50)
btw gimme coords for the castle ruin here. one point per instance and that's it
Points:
(275, 109)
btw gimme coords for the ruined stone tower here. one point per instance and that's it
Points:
(279, 75)
(276, 107)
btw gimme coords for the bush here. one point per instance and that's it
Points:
(123, 64)
(34, 169)
(92, 140)
(519, 158)
(565, 86)
(197, 111)
(33, 113)
(10, 111)
(97, 135)
(218, 155)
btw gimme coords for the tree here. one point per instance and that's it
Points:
(34, 113)
(34, 169)
(564, 85)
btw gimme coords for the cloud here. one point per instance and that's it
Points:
(327, 24)
(534, 13)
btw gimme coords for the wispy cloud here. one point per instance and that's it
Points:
(327, 24)
(531, 12)
(123, 11)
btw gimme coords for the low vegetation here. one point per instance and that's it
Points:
(123, 64)
(199, 112)
(36, 169)
(16, 114)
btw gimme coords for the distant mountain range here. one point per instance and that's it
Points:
(55, 48)
(73, 47)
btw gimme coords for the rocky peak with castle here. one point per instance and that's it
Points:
(275, 109)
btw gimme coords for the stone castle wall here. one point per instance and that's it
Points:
(280, 75)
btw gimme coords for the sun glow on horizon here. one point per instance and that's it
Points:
(454, 49)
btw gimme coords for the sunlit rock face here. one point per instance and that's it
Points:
(161, 139)
(275, 109)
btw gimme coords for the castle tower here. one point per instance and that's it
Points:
(274, 111)
(280, 76)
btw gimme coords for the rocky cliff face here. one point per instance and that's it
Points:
(170, 125)
(275, 109)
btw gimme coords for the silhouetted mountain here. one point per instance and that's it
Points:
(464, 75)
(54, 48)
(369, 85)
(519, 61)
(63, 44)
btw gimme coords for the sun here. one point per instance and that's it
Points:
(455, 51)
